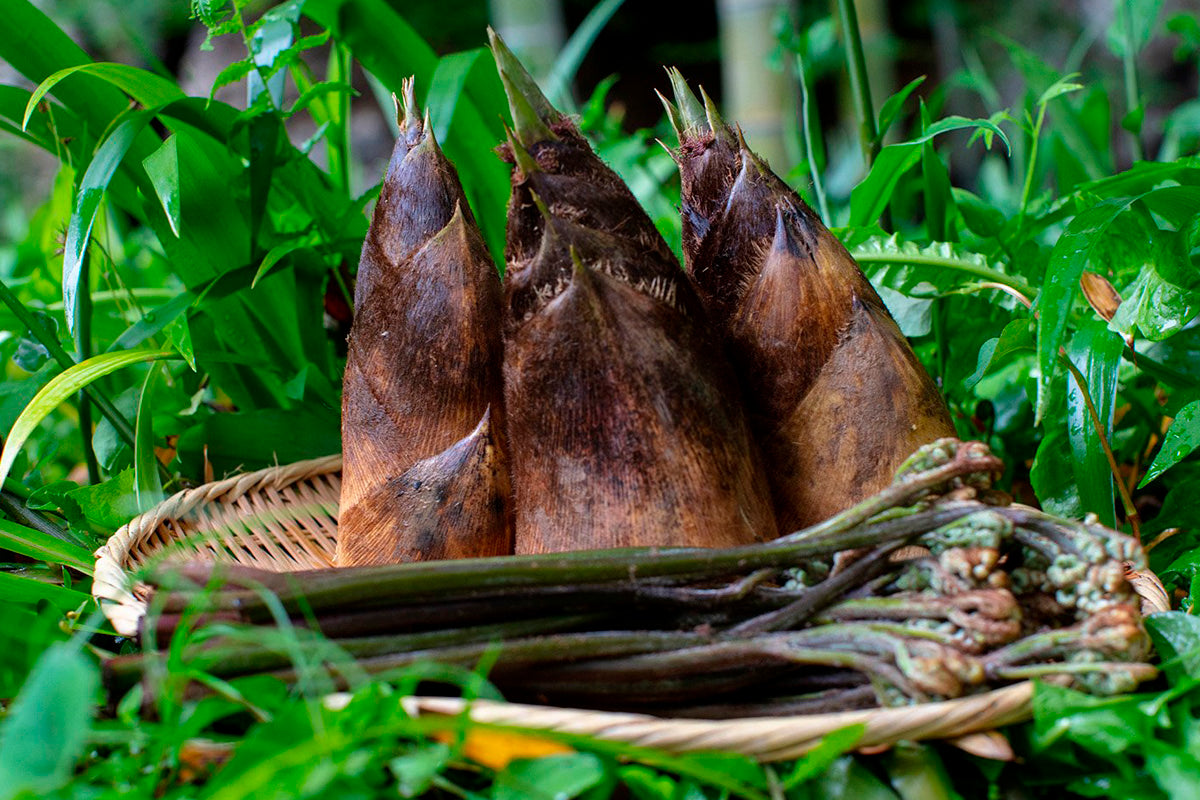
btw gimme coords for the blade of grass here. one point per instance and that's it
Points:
(52, 345)
(44, 547)
(558, 81)
(856, 66)
(62, 387)
(146, 482)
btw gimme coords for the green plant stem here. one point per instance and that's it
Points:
(856, 65)
(14, 508)
(1027, 187)
(994, 275)
(1132, 94)
(48, 340)
(806, 126)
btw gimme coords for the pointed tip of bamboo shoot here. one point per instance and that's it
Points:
(690, 110)
(715, 122)
(532, 113)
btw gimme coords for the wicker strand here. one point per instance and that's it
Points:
(120, 598)
(762, 738)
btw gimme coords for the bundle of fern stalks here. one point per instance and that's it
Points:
(936, 587)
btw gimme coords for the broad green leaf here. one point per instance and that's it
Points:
(848, 778)
(558, 82)
(62, 387)
(559, 777)
(91, 190)
(163, 168)
(43, 547)
(1177, 641)
(254, 439)
(1016, 337)
(1052, 474)
(871, 196)
(110, 504)
(146, 88)
(921, 263)
(1182, 438)
(47, 728)
(29, 592)
(147, 484)
(1096, 352)
(1075, 248)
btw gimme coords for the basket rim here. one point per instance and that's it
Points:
(118, 595)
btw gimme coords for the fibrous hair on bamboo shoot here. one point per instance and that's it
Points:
(835, 393)
(624, 420)
(423, 367)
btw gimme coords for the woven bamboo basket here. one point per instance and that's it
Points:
(285, 519)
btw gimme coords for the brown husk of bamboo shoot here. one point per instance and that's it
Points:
(455, 504)
(629, 441)
(424, 361)
(835, 393)
(625, 422)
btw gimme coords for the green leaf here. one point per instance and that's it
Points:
(231, 74)
(276, 255)
(819, 759)
(179, 335)
(147, 484)
(110, 504)
(163, 168)
(1182, 438)
(1064, 85)
(1017, 337)
(1076, 247)
(939, 202)
(558, 82)
(1096, 352)
(43, 547)
(62, 387)
(923, 263)
(892, 106)
(30, 592)
(553, 778)
(91, 190)
(1052, 475)
(1177, 641)
(415, 770)
(146, 88)
(47, 729)
(870, 198)
(152, 322)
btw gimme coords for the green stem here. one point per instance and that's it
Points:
(988, 273)
(1027, 188)
(15, 509)
(806, 126)
(1132, 94)
(856, 64)
(50, 342)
